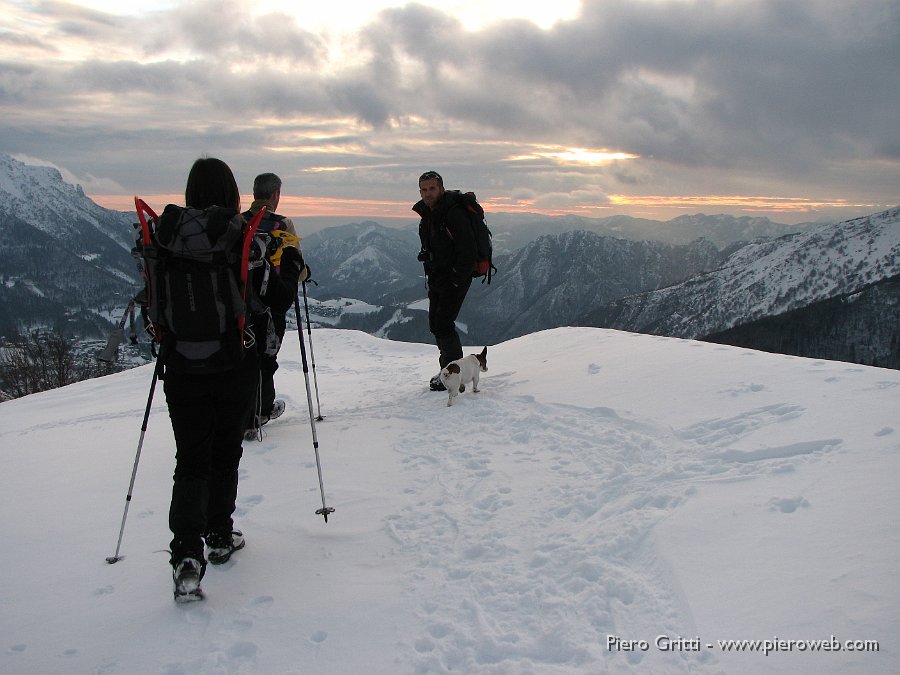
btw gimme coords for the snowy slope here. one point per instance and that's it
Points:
(603, 486)
(39, 196)
(66, 261)
(768, 278)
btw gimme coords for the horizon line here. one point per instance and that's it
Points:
(651, 207)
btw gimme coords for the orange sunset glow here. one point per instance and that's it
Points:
(356, 209)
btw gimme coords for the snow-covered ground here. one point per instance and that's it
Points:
(608, 503)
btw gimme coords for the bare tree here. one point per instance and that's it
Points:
(38, 362)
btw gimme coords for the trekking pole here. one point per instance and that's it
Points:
(110, 351)
(312, 354)
(137, 458)
(325, 510)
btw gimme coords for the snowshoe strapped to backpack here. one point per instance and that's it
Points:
(196, 267)
(271, 224)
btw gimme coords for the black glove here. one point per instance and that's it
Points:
(426, 258)
(293, 267)
(291, 256)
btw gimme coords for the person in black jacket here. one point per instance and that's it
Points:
(267, 193)
(207, 412)
(449, 254)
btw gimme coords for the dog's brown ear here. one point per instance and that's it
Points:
(484, 352)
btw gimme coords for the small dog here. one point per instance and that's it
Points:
(462, 371)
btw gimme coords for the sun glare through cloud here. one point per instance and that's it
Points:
(582, 156)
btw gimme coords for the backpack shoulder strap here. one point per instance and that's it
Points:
(249, 232)
(270, 220)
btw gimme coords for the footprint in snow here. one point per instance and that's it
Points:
(788, 504)
(243, 650)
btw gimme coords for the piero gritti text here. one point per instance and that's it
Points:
(669, 643)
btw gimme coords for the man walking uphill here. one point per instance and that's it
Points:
(267, 193)
(449, 255)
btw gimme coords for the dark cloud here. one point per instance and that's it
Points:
(713, 95)
(227, 29)
(360, 99)
(21, 41)
(73, 19)
(701, 82)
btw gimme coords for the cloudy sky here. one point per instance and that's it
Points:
(651, 108)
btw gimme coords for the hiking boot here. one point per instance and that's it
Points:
(253, 433)
(436, 384)
(222, 544)
(277, 411)
(187, 574)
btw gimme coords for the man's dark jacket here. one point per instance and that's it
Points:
(445, 233)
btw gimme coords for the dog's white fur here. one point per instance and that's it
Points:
(469, 369)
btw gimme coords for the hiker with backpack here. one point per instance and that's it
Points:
(449, 255)
(267, 194)
(210, 376)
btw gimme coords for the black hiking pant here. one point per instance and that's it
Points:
(264, 390)
(207, 412)
(444, 302)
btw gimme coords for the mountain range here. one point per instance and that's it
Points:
(65, 264)
(832, 286)
(829, 290)
(548, 282)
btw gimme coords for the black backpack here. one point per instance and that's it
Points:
(484, 266)
(196, 266)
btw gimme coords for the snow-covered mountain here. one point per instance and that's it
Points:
(65, 261)
(513, 231)
(547, 283)
(767, 278)
(551, 281)
(861, 327)
(39, 195)
(366, 260)
(608, 503)
(377, 264)
(65, 264)
(694, 290)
